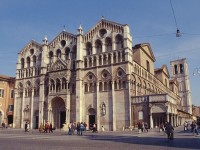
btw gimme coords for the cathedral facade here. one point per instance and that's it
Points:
(97, 77)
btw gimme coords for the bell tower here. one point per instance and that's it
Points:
(179, 70)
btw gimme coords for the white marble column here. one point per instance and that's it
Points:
(31, 117)
(98, 108)
(22, 111)
(114, 107)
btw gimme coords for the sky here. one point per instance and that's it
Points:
(150, 21)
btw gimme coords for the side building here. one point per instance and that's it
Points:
(97, 77)
(7, 85)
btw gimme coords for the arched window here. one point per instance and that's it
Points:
(22, 63)
(181, 68)
(140, 115)
(52, 85)
(86, 87)
(108, 44)
(50, 57)
(105, 86)
(64, 83)
(98, 46)
(57, 85)
(119, 41)
(58, 53)
(34, 60)
(28, 89)
(91, 89)
(175, 69)
(148, 66)
(88, 48)
(67, 53)
(28, 61)
(20, 90)
(100, 86)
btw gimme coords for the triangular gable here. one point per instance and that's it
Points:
(147, 49)
(106, 24)
(165, 70)
(58, 65)
(62, 36)
(32, 44)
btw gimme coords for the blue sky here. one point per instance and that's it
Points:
(150, 21)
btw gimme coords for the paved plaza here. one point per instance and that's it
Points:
(17, 139)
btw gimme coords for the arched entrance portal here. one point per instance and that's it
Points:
(92, 117)
(58, 113)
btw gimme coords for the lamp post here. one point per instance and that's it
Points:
(196, 71)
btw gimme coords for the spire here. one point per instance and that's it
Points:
(64, 29)
(80, 30)
(45, 41)
(102, 18)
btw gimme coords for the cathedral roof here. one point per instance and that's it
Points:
(30, 45)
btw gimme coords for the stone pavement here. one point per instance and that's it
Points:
(17, 139)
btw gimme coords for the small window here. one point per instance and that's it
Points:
(10, 107)
(175, 69)
(181, 68)
(102, 32)
(2, 93)
(31, 51)
(63, 43)
(140, 115)
(12, 94)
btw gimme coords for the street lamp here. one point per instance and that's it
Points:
(196, 71)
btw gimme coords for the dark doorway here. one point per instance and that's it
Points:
(91, 120)
(62, 118)
(10, 119)
(36, 122)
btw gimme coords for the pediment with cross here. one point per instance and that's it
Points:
(58, 65)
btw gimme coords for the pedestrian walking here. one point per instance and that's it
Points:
(81, 128)
(194, 128)
(169, 129)
(25, 126)
(146, 126)
(50, 128)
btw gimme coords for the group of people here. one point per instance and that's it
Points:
(46, 128)
(79, 127)
(193, 126)
(143, 126)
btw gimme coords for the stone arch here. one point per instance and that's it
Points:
(94, 77)
(108, 44)
(102, 76)
(119, 41)
(98, 46)
(88, 48)
(91, 111)
(57, 113)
